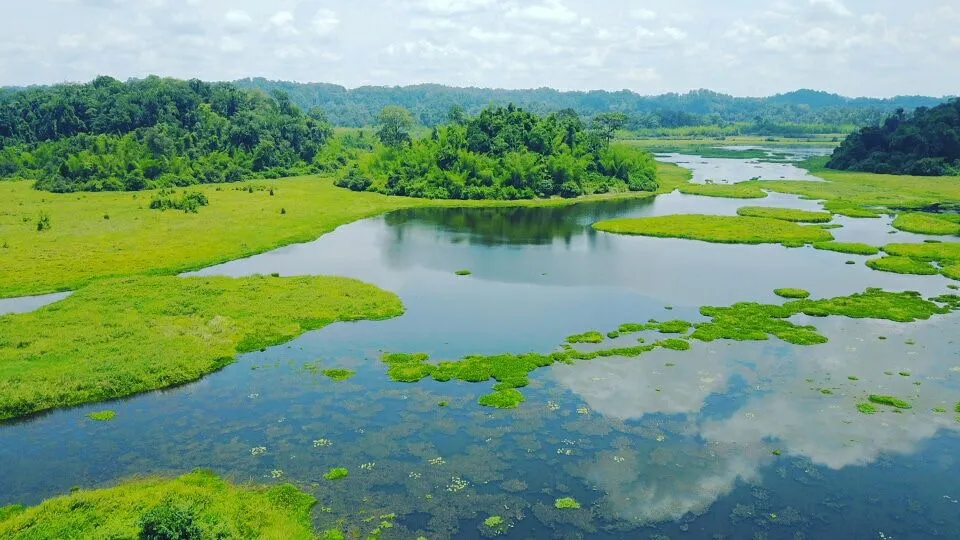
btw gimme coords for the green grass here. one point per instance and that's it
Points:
(672, 327)
(119, 337)
(718, 229)
(903, 265)
(786, 214)
(102, 416)
(337, 473)
(921, 223)
(846, 208)
(82, 246)
(566, 503)
(727, 191)
(221, 509)
(463, 272)
(339, 375)
(494, 522)
(852, 248)
(891, 401)
(867, 408)
(674, 344)
(507, 398)
(593, 336)
(792, 293)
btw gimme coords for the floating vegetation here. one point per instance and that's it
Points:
(867, 408)
(921, 223)
(613, 334)
(339, 374)
(903, 265)
(494, 522)
(728, 191)
(945, 254)
(102, 416)
(442, 404)
(322, 443)
(851, 248)
(338, 473)
(719, 229)
(673, 327)
(463, 272)
(890, 400)
(367, 466)
(785, 214)
(566, 503)
(437, 461)
(674, 344)
(258, 450)
(791, 293)
(506, 398)
(592, 336)
(853, 378)
(904, 373)
(276, 473)
(457, 484)
(957, 408)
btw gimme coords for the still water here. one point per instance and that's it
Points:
(728, 440)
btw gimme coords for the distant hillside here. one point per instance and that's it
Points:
(925, 143)
(430, 104)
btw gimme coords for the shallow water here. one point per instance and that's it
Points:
(679, 444)
(731, 171)
(25, 304)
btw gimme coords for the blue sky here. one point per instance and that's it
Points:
(743, 47)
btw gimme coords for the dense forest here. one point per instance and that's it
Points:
(502, 153)
(110, 135)
(429, 103)
(925, 143)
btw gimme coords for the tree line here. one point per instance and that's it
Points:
(926, 143)
(776, 115)
(157, 132)
(502, 153)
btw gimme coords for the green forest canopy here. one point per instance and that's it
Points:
(503, 153)
(110, 135)
(926, 143)
(429, 104)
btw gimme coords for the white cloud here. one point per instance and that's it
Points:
(675, 33)
(643, 14)
(230, 44)
(547, 11)
(833, 6)
(237, 20)
(325, 21)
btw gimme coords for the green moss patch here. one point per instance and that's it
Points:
(338, 374)
(198, 502)
(852, 248)
(920, 223)
(867, 408)
(792, 293)
(946, 254)
(903, 265)
(719, 229)
(674, 344)
(506, 398)
(102, 416)
(592, 336)
(337, 473)
(122, 336)
(566, 503)
(890, 401)
(727, 191)
(850, 209)
(786, 214)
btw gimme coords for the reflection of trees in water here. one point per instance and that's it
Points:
(514, 225)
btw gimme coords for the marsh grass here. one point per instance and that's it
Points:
(891, 401)
(339, 374)
(785, 214)
(726, 191)
(102, 416)
(851, 248)
(337, 473)
(718, 229)
(566, 503)
(463, 272)
(123, 336)
(593, 336)
(925, 223)
(792, 293)
(903, 265)
(218, 508)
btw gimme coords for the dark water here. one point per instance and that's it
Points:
(670, 444)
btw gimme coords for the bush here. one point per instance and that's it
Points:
(354, 180)
(189, 202)
(43, 223)
(169, 522)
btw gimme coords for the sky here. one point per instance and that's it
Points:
(742, 47)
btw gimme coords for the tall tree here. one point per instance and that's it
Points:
(394, 124)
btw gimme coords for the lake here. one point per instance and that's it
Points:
(740, 440)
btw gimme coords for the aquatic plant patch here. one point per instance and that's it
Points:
(791, 293)
(785, 214)
(935, 224)
(852, 248)
(718, 229)
(727, 191)
(199, 502)
(339, 374)
(118, 337)
(903, 265)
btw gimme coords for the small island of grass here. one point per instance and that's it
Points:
(339, 374)
(935, 224)
(785, 214)
(726, 191)
(791, 293)
(102, 416)
(566, 503)
(718, 229)
(337, 473)
(891, 401)
(903, 265)
(506, 398)
(196, 505)
(463, 272)
(851, 248)
(592, 336)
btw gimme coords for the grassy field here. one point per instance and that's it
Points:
(215, 508)
(921, 223)
(726, 191)
(97, 235)
(786, 214)
(719, 229)
(122, 336)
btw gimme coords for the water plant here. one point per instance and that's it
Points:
(867, 408)
(923, 223)
(791, 293)
(102, 416)
(674, 344)
(728, 191)
(902, 265)
(494, 522)
(463, 272)
(593, 336)
(506, 398)
(785, 214)
(892, 401)
(566, 503)
(339, 374)
(719, 229)
(337, 473)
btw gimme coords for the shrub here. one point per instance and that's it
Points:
(169, 522)
(43, 223)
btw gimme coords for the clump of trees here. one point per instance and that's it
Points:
(188, 202)
(502, 153)
(925, 143)
(110, 135)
